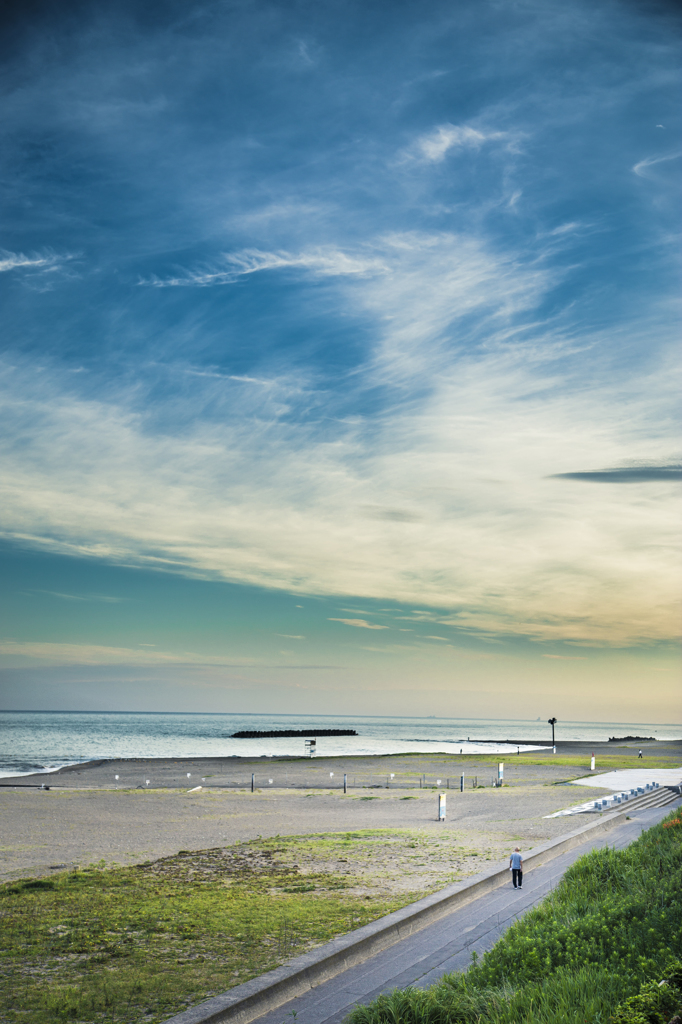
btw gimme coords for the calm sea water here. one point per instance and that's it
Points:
(33, 741)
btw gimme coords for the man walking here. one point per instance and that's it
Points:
(516, 865)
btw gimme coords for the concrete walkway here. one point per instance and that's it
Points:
(447, 945)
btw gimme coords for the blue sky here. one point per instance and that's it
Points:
(340, 357)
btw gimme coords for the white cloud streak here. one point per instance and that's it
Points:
(359, 623)
(46, 261)
(433, 146)
(96, 654)
(642, 168)
(327, 262)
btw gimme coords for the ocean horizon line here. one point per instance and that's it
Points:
(288, 714)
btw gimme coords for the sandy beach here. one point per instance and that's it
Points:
(83, 819)
(88, 816)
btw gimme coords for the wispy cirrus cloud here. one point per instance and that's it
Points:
(643, 167)
(45, 262)
(433, 146)
(448, 497)
(412, 430)
(327, 262)
(105, 598)
(96, 654)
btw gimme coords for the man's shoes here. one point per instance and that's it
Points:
(520, 887)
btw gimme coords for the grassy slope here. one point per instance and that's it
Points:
(613, 923)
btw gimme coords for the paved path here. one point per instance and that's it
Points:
(448, 944)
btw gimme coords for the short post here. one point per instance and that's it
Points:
(253, 783)
(423, 781)
(441, 806)
(592, 763)
(500, 773)
(461, 783)
(345, 783)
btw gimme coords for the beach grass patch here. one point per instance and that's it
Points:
(142, 943)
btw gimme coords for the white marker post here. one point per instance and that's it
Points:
(500, 773)
(441, 806)
(592, 764)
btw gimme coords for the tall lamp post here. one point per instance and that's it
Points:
(552, 722)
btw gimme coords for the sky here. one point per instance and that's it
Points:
(340, 358)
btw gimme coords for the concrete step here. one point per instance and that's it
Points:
(663, 798)
(654, 798)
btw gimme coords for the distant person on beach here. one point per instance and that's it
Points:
(516, 865)
(640, 754)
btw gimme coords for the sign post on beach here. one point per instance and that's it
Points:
(441, 806)
(500, 773)
(461, 783)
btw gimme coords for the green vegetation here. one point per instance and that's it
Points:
(605, 762)
(604, 946)
(142, 943)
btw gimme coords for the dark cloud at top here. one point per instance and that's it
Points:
(628, 475)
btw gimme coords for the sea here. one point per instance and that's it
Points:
(43, 741)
